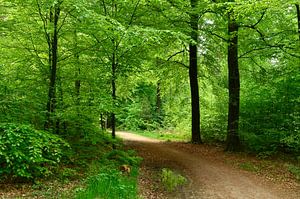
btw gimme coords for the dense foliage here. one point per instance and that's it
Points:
(27, 153)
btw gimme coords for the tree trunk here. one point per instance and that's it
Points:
(233, 141)
(60, 103)
(113, 94)
(77, 87)
(53, 68)
(158, 103)
(193, 75)
(102, 122)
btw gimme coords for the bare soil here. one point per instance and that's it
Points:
(211, 173)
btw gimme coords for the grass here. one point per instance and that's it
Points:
(106, 180)
(248, 166)
(164, 135)
(172, 180)
(295, 170)
(111, 184)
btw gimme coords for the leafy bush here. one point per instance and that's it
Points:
(292, 142)
(265, 143)
(171, 180)
(107, 180)
(28, 153)
(295, 171)
(124, 157)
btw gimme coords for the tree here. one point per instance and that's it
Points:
(183, 18)
(193, 73)
(233, 141)
(52, 40)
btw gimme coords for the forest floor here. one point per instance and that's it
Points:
(211, 172)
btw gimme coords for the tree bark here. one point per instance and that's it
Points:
(193, 75)
(60, 103)
(53, 68)
(233, 141)
(158, 103)
(113, 94)
(77, 87)
(77, 82)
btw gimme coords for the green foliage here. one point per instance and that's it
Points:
(292, 142)
(123, 157)
(172, 180)
(93, 148)
(109, 184)
(166, 135)
(28, 153)
(138, 112)
(295, 170)
(264, 144)
(248, 166)
(107, 181)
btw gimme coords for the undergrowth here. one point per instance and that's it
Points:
(106, 180)
(171, 180)
(92, 170)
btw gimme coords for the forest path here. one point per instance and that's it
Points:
(208, 173)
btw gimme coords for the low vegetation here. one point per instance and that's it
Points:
(171, 180)
(27, 154)
(50, 167)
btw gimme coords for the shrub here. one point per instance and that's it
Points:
(171, 180)
(28, 153)
(107, 179)
(295, 170)
(292, 142)
(123, 157)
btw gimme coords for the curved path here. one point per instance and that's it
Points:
(209, 177)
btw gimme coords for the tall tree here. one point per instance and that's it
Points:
(193, 73)
(233, 141)
(52, 40)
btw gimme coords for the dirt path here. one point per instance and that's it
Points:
(208, 174)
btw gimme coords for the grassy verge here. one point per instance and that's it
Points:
(164, 135)
(113, 176)
(93, 171)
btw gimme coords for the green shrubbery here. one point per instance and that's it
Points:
(28, 153)
(106, 180)
(171, 180)
(123, 157)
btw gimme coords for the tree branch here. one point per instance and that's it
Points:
(219, 36)
(182, 51)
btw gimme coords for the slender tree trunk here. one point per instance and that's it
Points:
(77, 82)
(113, 94)
(233, 141)
(102, 122)
(158, 103)
(298, 17)
(193, 75)
(77, 87)
(53, 68)
(60, 103)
